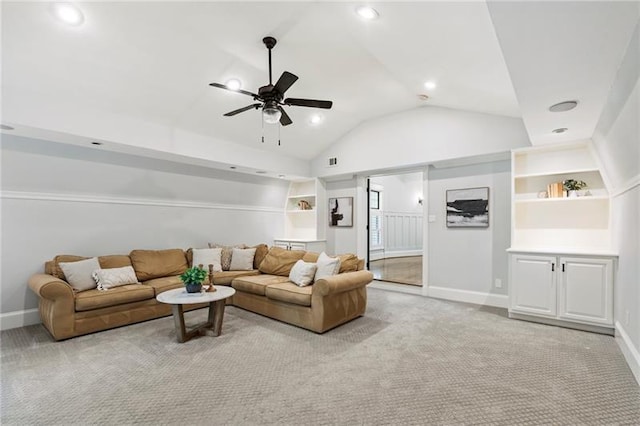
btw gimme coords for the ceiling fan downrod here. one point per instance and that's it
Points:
(270, 42)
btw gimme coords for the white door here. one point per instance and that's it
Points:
(533, 285)
(586, 290)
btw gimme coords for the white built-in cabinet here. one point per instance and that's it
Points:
(304, 228)
(562, 267)
(575, 289)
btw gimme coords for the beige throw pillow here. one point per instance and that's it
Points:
(327, 266)
(206, 257)
(79, 274)
(227, 251)
(114, 277)
(302, 273)
(242, 259)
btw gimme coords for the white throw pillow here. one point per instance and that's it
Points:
(242, 259)
(302, 273)
(114, 277)
(206, 257)
(79, 274)
(327, 266)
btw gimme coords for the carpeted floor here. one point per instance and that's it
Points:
(410, 360)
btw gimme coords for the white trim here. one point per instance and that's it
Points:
(402, 253)
(400, 288)
(17, 319)
(629, 351)
(627, 186)
(41, 196)
(468, 296)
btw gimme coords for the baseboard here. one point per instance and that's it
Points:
(392, 254)
(400, 288)
(17, 319)
(468, 296)
(629, 351)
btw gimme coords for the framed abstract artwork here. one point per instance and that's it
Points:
(341, 211)
(468, 208)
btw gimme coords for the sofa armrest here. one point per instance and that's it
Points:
(342, 282)
(50, 287)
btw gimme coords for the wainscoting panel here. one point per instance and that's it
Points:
(402, 231)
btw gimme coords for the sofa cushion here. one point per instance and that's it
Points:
(80, 274)
(256, 284)
(348, 263)
(279, 261)
(150, 264)
(225, 277)
(290, 293)
(114, 261)
(165, 283)
(94, 299)
(261, 252)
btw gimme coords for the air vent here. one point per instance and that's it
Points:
(332, 162)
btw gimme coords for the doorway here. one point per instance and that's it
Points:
(395, 218)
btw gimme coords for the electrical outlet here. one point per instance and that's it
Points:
(627, 317)
(498, 283)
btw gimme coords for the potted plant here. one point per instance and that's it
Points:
(193, 278)
(573, 186)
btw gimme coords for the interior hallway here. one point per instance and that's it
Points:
(403, 270)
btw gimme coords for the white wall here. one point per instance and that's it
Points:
(470, 259)
(400, 192)
(617, 140)
(61, 199)
(420, 136)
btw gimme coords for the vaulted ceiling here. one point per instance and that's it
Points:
(133, 64)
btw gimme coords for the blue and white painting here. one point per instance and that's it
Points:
(468, 208)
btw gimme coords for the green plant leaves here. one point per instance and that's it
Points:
(193, 276)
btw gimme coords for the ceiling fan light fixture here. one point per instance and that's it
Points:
(316, 119)
(68, 13)
(367, 13)
(271, 114)
(560, 130)
(234, 84)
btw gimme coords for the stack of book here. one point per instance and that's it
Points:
(555, 190)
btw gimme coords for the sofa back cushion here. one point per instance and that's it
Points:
(279, 261)
(348, 262)
(261, 253)
(106, 262)
(150, 264)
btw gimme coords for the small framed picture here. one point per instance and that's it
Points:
(468, 208)
(341, 211)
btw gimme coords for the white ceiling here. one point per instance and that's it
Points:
(153, 61)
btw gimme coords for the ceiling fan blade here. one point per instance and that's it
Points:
(285, 120)
(238, 111)
(313, 103)
(285, 81)
(244, 92)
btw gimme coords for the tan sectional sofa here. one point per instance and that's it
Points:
(265, 290)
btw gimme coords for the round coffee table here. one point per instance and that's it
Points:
(179, 297)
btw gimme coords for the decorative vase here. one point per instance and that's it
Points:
(193, 287)
(572, 193)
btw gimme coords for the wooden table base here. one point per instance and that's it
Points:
(213, 325)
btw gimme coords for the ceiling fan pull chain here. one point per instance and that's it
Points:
(279, 127)
(262, 122)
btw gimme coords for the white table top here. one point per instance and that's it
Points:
(179, 296)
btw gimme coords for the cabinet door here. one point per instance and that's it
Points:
(297, 246)
(586, 290)
(281, 244)
(533, 285)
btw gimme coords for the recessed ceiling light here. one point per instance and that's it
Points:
(5, 127)
(233, 167)
(316, 119)
(560, 130)
(281, 176)
(366, 12)
(234, 84)
(423, 97)
(68, 13)
(96, 143)
(430, 85)
(563, 106)
(261, 172)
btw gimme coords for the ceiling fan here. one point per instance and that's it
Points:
(271, 98)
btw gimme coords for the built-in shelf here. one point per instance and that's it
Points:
(302, 196)
(563, 199)
(563, 172)
(304, 225)
(301, 211)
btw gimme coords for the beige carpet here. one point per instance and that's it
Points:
(410, 360)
